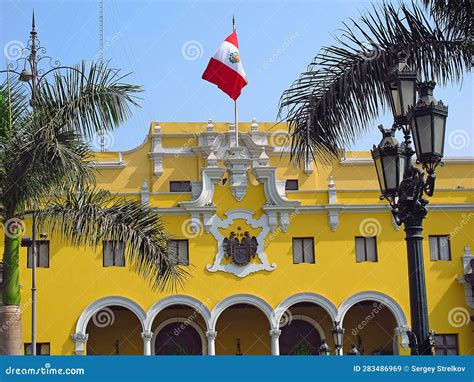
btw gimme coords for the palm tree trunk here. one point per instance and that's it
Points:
(10, 314)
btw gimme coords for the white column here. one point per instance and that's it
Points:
(211, 342)
(275, 334)
(147, 336)
(80, 339)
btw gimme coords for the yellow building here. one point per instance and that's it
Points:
(275, 254)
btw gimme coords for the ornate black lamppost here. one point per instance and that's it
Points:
(404, 184)
(33, 76)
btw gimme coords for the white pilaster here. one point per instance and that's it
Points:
(211, 342)
(80, 340)
(275, 337)
(147, 336)
(145, 194)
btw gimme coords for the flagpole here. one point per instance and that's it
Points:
(236, 120)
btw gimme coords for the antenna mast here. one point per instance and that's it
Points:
(101, 53)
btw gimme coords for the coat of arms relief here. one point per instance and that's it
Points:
(240, 251)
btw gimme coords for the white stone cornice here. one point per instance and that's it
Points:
(274, 190)
(210, 176)
(119, 163)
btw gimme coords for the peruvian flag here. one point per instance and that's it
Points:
(225, 68)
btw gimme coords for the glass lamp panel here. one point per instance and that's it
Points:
(423, 124)
(401, 167)
(439, 129)
(407, 94)
(380, 176)
(414, 134)
(397, 109)
(337, 336)
(390, 172)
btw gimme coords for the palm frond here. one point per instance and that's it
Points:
(342, 91)
(454, 15)
(88, 100)
(90, 216)
(13, 107)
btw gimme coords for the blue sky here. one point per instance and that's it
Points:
(166, 46)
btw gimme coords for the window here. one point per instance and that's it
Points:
(179, 251)
(42, 348)
(439, 248)
(42, 254)
(446, 344)
(303, 250)
(113, 252)
(366, 249)
(180, 186)
(291, 185)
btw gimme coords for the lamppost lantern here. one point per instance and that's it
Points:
(324, 348)
(353, 350)
(428, 127)
(400, 85)
(25, 75)
(338, 336)
(389, 162)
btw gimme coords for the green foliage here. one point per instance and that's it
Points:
(45, 166)
(331, 104)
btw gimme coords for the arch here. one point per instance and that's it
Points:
(314, 298)
(179, 299)
(104, 302)
(382, 298)
(249, 299)
(183, 320)
(312, 321)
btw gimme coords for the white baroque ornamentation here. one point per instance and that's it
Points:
(238, 163)
(240, 271)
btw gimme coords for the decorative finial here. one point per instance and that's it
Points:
(254, 125)
(210, 125)
(233, 23)
(33, 25)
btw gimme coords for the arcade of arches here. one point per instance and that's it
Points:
(239, 328)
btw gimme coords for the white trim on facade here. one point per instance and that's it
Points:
(166, 302)
(249, 299)
(80, 336)
(379, 297)
(313, 298)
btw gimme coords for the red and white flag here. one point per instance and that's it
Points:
(225, 68)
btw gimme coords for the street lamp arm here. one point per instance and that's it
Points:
(60, 68)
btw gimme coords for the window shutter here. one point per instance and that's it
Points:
(119, 254)
(297, 251)
(108, 254)
(183, 256)
(360, 249)
(371, 248)
(444, 248)
(173, 251)
(434, 250)
(308, 250)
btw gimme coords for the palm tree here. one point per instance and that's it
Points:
(332, 103)
(45, 168)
